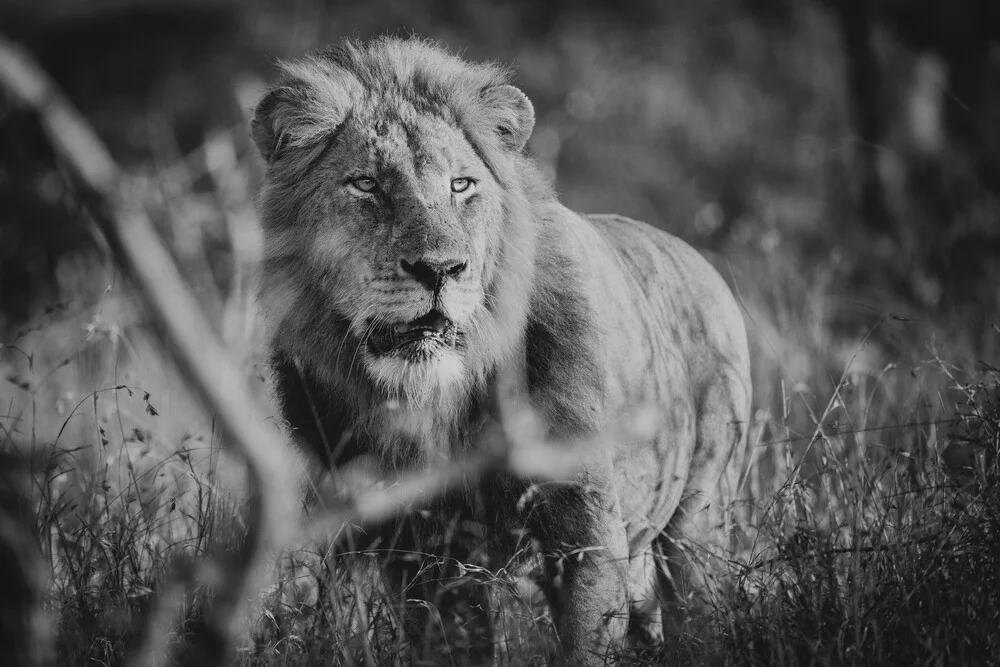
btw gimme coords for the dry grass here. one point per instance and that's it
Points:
(867, 534)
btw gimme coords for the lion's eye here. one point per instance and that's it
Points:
(461, 184)
(364, 184)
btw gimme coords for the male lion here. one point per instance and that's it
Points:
(414, 256)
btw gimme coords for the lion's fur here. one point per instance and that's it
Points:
(595, 315)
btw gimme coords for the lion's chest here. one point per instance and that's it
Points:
(408, 436)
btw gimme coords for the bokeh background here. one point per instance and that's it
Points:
(838, 160)
(769, 131)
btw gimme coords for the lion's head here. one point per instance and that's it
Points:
(395, 212)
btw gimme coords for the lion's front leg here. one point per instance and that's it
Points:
(587, 578)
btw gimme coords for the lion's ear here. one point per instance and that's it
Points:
(263, 127)
(514, 116)
(274, 117)
(309, 104)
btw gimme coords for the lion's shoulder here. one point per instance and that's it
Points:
(562, 344)
(616, 297)
(673, 279)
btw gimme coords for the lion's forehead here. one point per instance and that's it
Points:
(419, 146)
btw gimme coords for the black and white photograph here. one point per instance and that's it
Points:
(470, 333)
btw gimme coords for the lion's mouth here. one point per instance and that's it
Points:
(415, 338)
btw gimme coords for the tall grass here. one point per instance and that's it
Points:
(873, 542)
(865, 534)
(885, 554)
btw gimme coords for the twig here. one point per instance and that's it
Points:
(523, 451)
(206, 365)
(831, 551)
(198, 353)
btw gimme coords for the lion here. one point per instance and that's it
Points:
(414, 256)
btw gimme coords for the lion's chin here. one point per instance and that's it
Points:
(424, 376)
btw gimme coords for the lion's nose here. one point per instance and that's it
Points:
(432, 273)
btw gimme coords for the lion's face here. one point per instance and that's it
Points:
(387, 211)
(407, 226)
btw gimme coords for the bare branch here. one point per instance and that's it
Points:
(274, 477)
(198, 352)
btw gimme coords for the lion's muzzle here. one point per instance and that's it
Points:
(414, 339)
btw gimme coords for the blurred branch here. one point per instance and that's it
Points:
(524, 452)
(200, 356)
(117, 210)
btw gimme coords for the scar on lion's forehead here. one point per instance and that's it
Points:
(416, 144)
